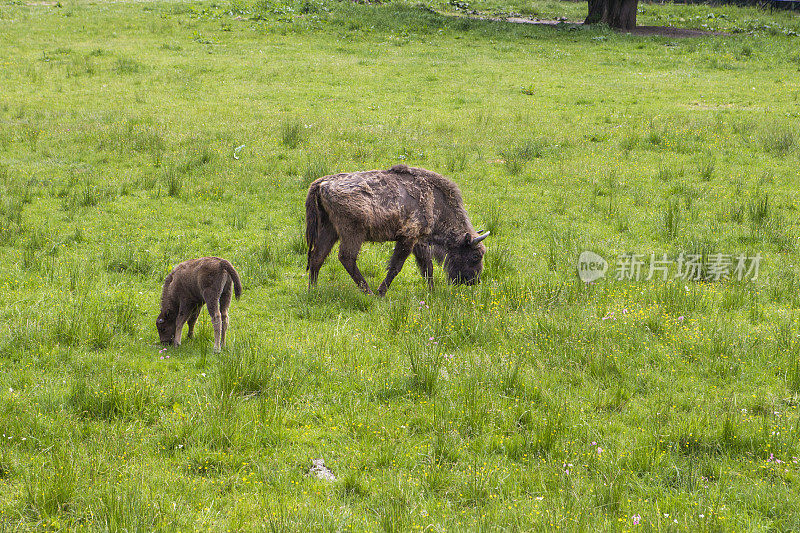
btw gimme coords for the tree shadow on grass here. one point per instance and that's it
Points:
(421, 19)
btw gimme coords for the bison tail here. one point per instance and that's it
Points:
(237, 283)
(312, 219)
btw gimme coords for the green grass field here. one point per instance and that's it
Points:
(532, 401)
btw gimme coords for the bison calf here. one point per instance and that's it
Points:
(191, 284)
(418, 209)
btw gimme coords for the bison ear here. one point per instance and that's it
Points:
(467, 239)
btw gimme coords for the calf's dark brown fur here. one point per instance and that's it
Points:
(418, 209)
(207, 280)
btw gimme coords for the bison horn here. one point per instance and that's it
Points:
(479, 238)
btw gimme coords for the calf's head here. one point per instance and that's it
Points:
(464, 262)
(166, 328)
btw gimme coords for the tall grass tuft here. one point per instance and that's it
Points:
(629, 141)
(100, 331)
(706, 168)
(672, 219)
(492, 217)
(758, 210)
(535, 435)
(510, 381)
(315, 167)
(520, 153)
(668, 173)
(787, 342)
(107, 396)
(793, 374)
(778, 140)
(455, 158)
(51, 487)
(195, 159)
(736, 213)
(291, 133)
(261, 263)
(67, 327)
(173, 181)
(137, 135)
(497, 263)
(238, 216)
(298, 244)
(124, 508)
(126, 65)
(5, 465)
(131, 259)
(244, 369)
(426, 362)
(395, 513)
(11, 207)
(561, 249)
(397, 314)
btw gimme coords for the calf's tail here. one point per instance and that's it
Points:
(237, 283)
(313, 214)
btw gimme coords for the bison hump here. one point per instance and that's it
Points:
(400, 169)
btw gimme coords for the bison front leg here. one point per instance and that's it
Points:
(401, 252)
(192, 321)
(348, 253)
(424, 258)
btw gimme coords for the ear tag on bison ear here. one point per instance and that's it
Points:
(160, 321)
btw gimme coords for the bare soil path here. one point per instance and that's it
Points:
(661, 31)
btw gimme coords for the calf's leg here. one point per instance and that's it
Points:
(212, 303)
(192, 320)
(401, 252)
(224, 305)
(184, 311)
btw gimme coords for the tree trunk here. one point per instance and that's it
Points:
(619, 14)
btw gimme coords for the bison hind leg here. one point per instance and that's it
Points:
(224, 305)
(348, 253)
(211, 295)
(326, 238)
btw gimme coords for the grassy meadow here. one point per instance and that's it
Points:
(134, 135)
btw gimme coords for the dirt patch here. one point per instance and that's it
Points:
(669, 31)
(645, 31)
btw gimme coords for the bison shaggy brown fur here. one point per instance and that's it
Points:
(418, 209)
(207, 280)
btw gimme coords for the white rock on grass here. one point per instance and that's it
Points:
(319, 470)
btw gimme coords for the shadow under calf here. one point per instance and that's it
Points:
(207, 280)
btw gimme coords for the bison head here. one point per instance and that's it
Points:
(166, 328)
(464, 262)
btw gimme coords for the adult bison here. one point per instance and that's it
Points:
(419, 209)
